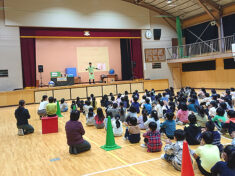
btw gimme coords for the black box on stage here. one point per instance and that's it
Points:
(157, 34)
(40, 68)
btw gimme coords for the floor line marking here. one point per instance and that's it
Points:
(123, 166)
(124, 162)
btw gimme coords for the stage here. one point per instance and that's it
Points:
(34, 95)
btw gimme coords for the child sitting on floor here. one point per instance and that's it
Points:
(63, 105)
(207, 155)
(73, 106)
(132, 131)
(135, 104)
(114, 110)
(90, 117)
(42, 107)
(99, 119)
(210, 126)
(219, 119)
(169, 126)
(142, 119)
(153, 118)
(152, 139)
(192, 131)
(182, 114)
(148, 106)
(159, 108)
(201, 116)
(226, 168)
(229, 125)
(86, 107)
(94, 103)
(51, 108)
(117, 126)
(122, 112)
(173, 151)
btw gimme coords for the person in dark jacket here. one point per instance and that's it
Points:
(22, 115)
(74, 132)
(192, 131)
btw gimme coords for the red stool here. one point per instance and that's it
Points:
(49, 125)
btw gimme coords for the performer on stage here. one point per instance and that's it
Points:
(91, 72)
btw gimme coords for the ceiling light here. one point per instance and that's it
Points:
(169, 1)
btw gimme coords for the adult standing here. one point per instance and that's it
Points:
(91, 72)
(22, 115)
(74, 132)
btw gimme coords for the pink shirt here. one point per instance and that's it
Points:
(182, 116)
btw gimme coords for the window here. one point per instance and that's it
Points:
(3, 73)
(199, 66)
(156, 65)
(229, 63)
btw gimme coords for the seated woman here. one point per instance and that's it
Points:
(74, 132)
(22, 115)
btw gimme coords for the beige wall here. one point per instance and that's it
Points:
(167, 34)
(10, 57)
(58, 54)
(113, 14)
(218, 78)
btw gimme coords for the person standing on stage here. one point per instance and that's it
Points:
(91, 72)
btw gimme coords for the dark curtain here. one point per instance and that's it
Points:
(126, 59)
(28, 61)
(229, 25)
(136, 57)
(210, 33)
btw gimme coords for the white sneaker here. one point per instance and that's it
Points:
(162, 157)
(143, 145)
(124, 138)
(20, 132)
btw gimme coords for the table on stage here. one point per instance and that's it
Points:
(63, 81)
(109, 78)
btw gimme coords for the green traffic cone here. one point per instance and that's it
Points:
(110, 142)
(74, 108)
(58, 112)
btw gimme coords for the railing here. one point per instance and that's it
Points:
(210, 47)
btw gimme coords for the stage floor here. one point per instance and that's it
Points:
(38, 154)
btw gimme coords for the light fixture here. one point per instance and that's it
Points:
(169, 1)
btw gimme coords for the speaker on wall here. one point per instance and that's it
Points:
(157, 34)
(40, 68)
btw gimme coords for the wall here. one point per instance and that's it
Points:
(58, 54)
(114, 14)
(167, 34)
(218, 78)
(10, 55)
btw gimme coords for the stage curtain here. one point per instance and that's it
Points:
(28, 62)
(126, 59)
(136, 57)
(62, 32)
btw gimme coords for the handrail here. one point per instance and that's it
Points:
(206, 48)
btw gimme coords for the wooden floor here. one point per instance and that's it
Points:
(38, 154)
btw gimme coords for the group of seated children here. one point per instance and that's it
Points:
(204, 118)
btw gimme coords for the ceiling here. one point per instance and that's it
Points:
(183, 8)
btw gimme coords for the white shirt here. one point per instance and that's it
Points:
(212, 112)
(117, 131)
(43, 105)
(159, 110)
(146, 124)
